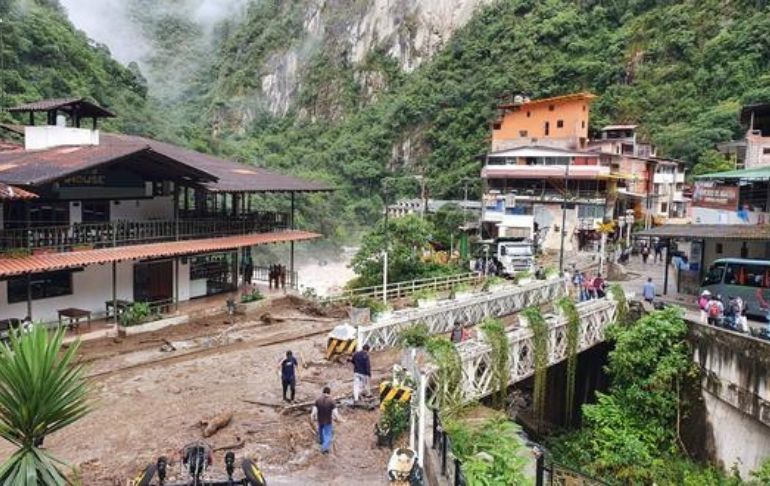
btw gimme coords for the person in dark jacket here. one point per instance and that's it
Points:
(288, 367)
(362, 373)
(324, 413)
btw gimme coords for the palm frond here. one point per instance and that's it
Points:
(42, 390)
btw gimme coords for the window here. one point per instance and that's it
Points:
(714, 275)
(590, 211)
(551, 107)
(96, 211)
(664, 207)
(529, 113)
(747, 275)
(42, 286)
(584, 109)
(766, 150)
(547, 128)
(719, 248)
(583, 124)
(522, 133)
(559, 123)
(496, 126)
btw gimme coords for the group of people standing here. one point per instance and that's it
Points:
(586, 287)
(277, 276)
(324, 411)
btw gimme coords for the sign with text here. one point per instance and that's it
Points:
(709, 194)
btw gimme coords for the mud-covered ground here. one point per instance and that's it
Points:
(149, 402)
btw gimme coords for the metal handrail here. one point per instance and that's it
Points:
(406, 287)
(123, 233)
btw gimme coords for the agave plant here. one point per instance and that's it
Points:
(41, 391)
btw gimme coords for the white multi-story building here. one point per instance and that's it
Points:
(92, 221)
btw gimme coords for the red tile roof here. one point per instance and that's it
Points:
(57, 261)
(10, 192)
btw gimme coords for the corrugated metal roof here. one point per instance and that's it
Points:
(84, 107)
(56, 261)
(231, 176)
(618, 127)
(756, 173)
(555, 99)
(540, 151)
(29, 167)
(720, 231)
(8, 193)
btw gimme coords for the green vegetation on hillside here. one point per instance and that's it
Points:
(680, 70)
(43, 56)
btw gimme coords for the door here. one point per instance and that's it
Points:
(154, 281)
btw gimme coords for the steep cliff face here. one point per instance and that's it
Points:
(361, 47)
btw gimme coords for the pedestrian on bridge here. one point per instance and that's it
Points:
(324, 412)
(362, 373)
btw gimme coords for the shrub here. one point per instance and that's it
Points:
(135, 314)
(415, 337)
(252, 296)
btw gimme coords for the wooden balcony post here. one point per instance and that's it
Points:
(176, 210)
(291, 226)
(115, 290)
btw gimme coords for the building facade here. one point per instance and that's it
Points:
(93, 220)
(560, 122)
(754, 149)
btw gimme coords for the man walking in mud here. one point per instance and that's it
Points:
(288, 367)
(324, 413)
(362, 373)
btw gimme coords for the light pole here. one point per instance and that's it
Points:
(563, 219)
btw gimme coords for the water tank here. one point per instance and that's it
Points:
(61, 121)
(518, 99)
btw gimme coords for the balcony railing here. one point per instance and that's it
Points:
(123, 233)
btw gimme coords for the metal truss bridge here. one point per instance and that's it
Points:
(476, 354)
(474, 308)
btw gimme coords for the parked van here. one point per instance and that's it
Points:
(749, 279)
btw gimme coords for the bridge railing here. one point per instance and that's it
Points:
(476, 354)
(474, 308)
(404, 288)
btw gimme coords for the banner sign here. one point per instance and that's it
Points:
(712, 195)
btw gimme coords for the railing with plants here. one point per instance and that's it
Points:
(121, 233)
(450, 465)
(408, 287)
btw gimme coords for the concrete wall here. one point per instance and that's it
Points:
(736, 397)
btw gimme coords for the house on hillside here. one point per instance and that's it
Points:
(559, 122)
(754, 149)
(651, 186)
(92, 221)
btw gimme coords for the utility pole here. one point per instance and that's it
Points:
(385, 275)
(563, 219)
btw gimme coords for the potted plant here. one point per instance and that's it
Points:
(425, 298)
(462, 291)
(523, 278)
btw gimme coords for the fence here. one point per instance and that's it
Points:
(450, 465)
(262, 274)
(402, 289)
(122, 233)
(553, 474)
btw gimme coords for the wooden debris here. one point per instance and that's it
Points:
(210, 427)
(267, 319)
(167, 346)
(237, 445)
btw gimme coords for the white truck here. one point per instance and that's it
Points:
(515, 256)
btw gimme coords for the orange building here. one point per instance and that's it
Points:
(560, 122)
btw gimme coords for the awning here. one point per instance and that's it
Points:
(755, 174)
(744, 232)
(57, 261)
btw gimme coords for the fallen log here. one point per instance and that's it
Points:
(264, 404)
(221, 421)
(237, 445)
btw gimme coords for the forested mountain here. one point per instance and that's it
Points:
(352, 91)
(42, 56)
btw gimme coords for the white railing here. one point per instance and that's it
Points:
(476, 354)
(473, 308)
(402, 289)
